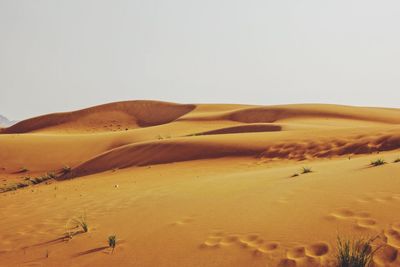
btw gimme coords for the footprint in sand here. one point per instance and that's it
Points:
(317, 249)
(229, 240)
(365, 199)
(386, 256)
(393, 236)
(343, 213)
(287, 263)
(183, 221)
(309, 255)
(268, 247)
(251, 242)
(297, 252)
(366, 223)
(212, 242)
(380, 197)
(362, 214)
(362, 220)
(396, 226)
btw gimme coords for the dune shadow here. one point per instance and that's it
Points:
(242, 129)
(90, 251)
(53, 241)
(371, 166)
(19, 172)
(60, 239)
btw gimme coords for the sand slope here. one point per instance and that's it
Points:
(201, 185)
(108, 117)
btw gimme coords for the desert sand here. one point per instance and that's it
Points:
(200, 185)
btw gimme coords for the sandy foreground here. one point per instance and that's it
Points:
(200, 185)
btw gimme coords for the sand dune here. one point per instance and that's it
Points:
(200, 185)
(279, 113)
(244, 129)
(186, 149)
(114, 116)
(133, 114)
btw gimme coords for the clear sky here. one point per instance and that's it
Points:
(59, 55)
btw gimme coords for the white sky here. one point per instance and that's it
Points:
(59, 55)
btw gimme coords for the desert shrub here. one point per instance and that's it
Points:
(66, 169)
(23, 169)
(396, 160)
(51, 175)
(13, 187)
(21, 185)
(306, 170)
(36, 180)
(354, 253)
(76, 225)
(81, 223)
(162, 137)
(112, 242)
(378, 162)
(40, 179)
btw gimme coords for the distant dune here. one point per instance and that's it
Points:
(200, 184)
(136, 114)
(137, 133)
(4, 122)
(108, 117)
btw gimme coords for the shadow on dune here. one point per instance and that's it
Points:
(276, 113)
(50, 242)
(187, 149)
(90, 251)
(254, 128)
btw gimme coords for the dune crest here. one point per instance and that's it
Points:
(217, 146)
(279, 113)
(107, 117)
(120, 116)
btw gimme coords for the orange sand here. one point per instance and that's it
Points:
(201, 185)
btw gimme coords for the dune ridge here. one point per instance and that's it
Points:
(132, 114)
(187, 149)
(253, 128)
(279, 113)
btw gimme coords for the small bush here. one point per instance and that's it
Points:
(378, 162)
(112, 242)
(306, 170)
(22, 185)
(7, 188)
(81, 222)
(76, 225)
(66, 169)
(354, 253)
(42, 178)
(51, 175)
(162, 137)
(396, 160)
(36, 180)
(23, 169)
